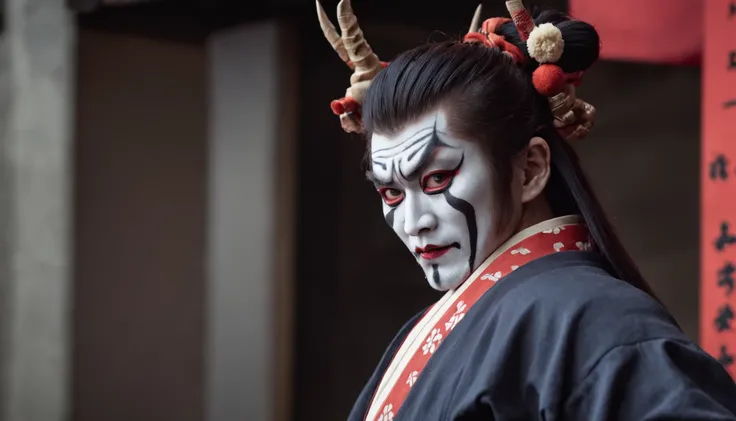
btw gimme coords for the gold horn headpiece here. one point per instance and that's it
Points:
(353, 49)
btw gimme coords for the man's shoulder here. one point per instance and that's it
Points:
(572, 303)
(574, 283)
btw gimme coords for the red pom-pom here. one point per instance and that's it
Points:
(337, 107)
(549, 79)
(350, 105)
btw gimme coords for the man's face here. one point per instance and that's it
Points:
(437, 197)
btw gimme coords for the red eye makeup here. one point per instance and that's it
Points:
(391, 196)
(437, 181)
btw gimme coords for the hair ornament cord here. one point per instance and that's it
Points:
(488, 37)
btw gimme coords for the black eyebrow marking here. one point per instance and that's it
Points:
(434, 143)
(423, 138)
(409, 139)
(420, 140)
(380, 164)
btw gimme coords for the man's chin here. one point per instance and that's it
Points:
(445, 277)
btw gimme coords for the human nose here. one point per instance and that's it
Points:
(419, 216)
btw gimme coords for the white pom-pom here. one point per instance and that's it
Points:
(545, 43)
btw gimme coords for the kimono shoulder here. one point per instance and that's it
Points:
(562, 339)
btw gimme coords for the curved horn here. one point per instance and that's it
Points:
(522, 19)
(331, 34)
(475, 23)
(366, 62)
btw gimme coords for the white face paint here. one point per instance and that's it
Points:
(437, 197)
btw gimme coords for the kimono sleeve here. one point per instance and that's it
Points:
(654, 380)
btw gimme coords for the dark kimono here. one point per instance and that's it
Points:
(562, 339)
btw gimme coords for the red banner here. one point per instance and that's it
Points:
(657, 31)
(718, 184)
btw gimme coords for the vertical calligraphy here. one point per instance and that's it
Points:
(718, 184)
(719, 167)
(725, 278)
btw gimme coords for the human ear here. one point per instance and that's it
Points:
(535, 165)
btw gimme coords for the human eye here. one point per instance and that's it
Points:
(391, 196)
(437, 181)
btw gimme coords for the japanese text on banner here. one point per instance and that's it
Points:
(718, 201)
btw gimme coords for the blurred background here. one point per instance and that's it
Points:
(185, 230)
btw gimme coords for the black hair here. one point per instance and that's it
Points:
(489, 98)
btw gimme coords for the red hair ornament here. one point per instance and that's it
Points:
(487, 36)
(549, 80)
(573, 117)
(544, 44)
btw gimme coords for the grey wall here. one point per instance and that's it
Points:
(5, 207)
(242, 131)
(36, 99)
(250, 223)
(141, 163)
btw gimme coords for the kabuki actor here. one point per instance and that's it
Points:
(544, 315)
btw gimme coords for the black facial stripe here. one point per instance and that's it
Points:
(466, 209)
(435, 275)
(390, 217)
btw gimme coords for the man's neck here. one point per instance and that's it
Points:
(534, 212)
